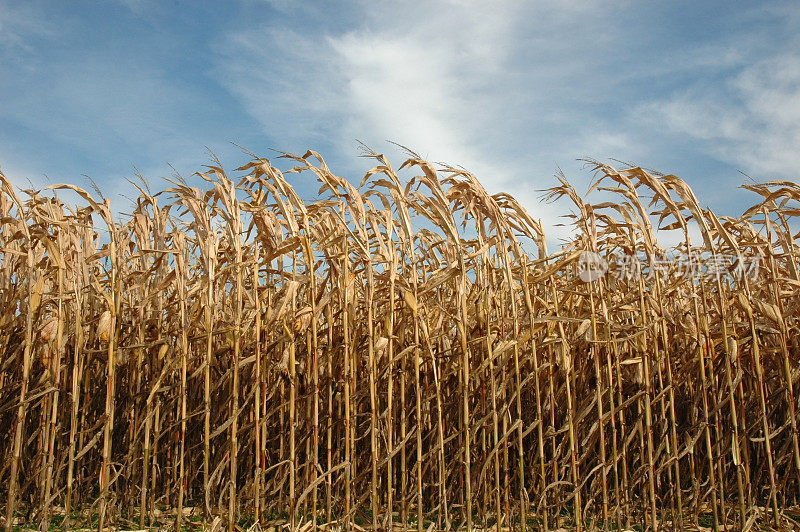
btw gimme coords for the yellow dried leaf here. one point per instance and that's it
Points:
(302, 319)
(104, 326)
(49, 330)
(410, 300)
(36, 295)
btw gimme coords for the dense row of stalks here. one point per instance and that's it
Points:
(392, 353)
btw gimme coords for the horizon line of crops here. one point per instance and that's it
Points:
(242, 351)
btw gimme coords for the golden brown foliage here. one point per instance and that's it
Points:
(393, 352)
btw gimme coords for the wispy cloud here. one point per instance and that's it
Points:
(449, 80)
(436, 77)
(19, 22)
(71, 107)
(751, 119)
(512, 91)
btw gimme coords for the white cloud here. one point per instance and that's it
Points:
(751, 119)
(447, 79)
(407, 90)
(509, 90)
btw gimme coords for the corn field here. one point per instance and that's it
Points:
(407, 352)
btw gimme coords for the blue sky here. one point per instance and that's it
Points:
(512, 90)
